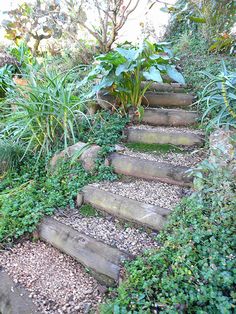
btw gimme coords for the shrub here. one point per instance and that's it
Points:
(194, 270)
(122, 70)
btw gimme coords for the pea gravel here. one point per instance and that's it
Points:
(56, 283)
(187, 158)
(151, 192)
(110, 230)
(166, 129)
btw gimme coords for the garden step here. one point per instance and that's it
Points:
(169, 117)
(167, 99)
(155, 135)
(148, 215)
(13, 298)
(166, 87)
(150, 169)
(102, 259)
(151, 99)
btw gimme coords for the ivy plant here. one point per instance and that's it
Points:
(122, 71)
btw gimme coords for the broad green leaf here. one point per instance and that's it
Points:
(128, 54)
(197, 19)
(122, 68)
(112, 57)
(153, 75)
(175, 75)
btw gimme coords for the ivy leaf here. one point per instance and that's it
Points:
(153, 75)
(175, 75)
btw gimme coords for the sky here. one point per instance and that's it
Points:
(131, 30)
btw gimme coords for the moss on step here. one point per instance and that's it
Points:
(155, 148)
(87, 210)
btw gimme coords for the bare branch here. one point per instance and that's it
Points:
(126, 14)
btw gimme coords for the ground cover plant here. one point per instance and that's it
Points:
(30, 190)
(194, 270)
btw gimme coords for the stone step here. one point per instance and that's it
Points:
(102, 259)
(155, 135)
(13, 298)
(168, 117)
(152, 99)
(148, 215)
(150, 169)
(166, 87)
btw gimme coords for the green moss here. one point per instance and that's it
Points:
(88, 211)
(154, 148)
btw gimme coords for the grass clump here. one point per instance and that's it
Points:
(87, 210)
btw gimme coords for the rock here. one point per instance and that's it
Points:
(222, 147)
(79, 199)
(87, 155)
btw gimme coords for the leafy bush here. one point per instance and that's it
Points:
(208, 18)
(194, 270)
(122, 70)
(218, 100)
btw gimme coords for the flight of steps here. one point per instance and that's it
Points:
(168, 119)
(161, 125)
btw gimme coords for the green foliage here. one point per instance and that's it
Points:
(218, 100)
(103, 128)
(31, 191)
(88, 211)
(224, 43)
(19, 60)
(192, 50)
(122, 70)
(154, 148)
(23, 55)
(43, 112)
(208, 18)
(10, 155)
(194, 270)
(6, 73)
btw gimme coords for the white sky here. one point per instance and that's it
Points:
(131, 30)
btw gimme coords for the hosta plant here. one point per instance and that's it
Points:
(122, 70)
